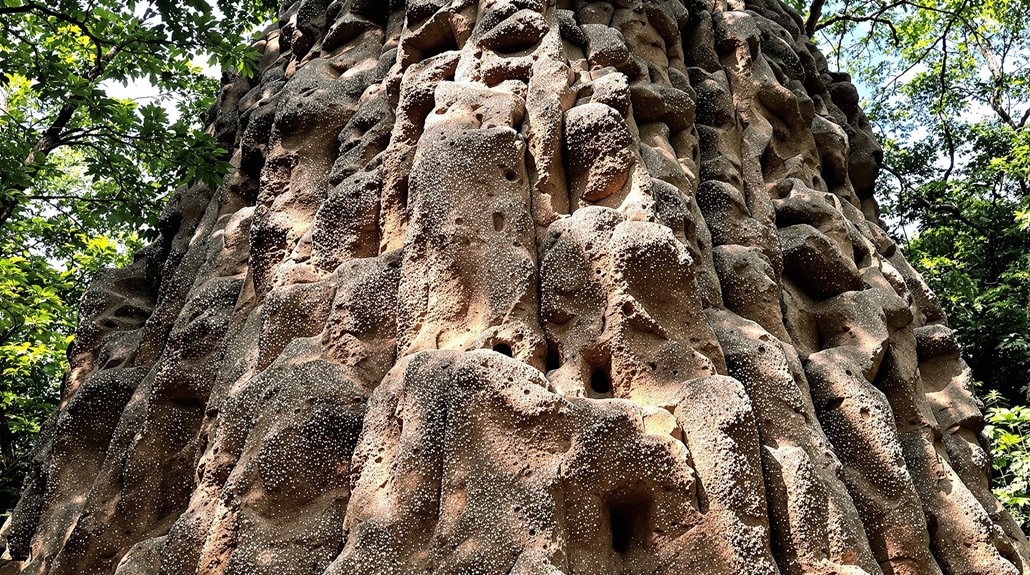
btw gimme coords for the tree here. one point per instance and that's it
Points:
(83, 172)
(59, 59)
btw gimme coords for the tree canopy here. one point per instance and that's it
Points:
(83, 171)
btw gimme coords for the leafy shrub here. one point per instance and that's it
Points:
(1007, 429)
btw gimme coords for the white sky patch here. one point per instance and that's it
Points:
(912, 73)
(142, 91)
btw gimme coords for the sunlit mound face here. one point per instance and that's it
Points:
(522, 287)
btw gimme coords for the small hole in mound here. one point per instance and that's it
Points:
(553, 356)
(600, 381)
(510, 175)
(187, 402)
(503, 349)
(498, 221)
(620, 531)
(629, 523)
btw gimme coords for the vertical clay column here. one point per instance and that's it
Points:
(160, 420)
(469, 273)
(272, 479)
(621, 293)
(748, 121)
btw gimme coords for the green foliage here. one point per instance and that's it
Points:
(1007, 429)
(45, 263)
(83, 171)
(61, 60)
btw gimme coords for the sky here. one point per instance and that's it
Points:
(143, 91)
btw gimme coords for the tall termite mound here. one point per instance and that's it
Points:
(521, 287)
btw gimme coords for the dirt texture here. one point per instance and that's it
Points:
(521, 287)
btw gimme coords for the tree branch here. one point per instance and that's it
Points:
(814, 14)
(876, 17)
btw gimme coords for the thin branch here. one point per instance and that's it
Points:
(30, 7)
(79, 199)
(876, 18)
(941, 113)
(939, 207)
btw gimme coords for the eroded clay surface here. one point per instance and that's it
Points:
(521, 287)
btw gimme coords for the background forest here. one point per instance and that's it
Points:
(86, 162)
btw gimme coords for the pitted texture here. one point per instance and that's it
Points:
(521, 287)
